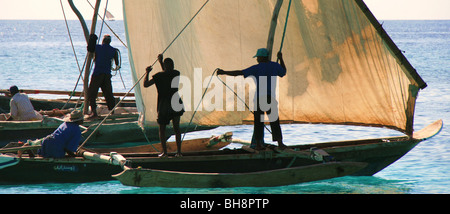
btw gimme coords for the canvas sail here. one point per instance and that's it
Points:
(341, 67)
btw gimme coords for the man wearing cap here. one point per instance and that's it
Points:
(64, 139)
(21, 107)
(264, 73)
(101, 77)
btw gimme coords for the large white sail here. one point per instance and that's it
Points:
(341, 67)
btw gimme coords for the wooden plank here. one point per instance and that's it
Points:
(187, 146)
(16, 149)
(56, 92)
(113, 158)
(273, 27)
(280, 177)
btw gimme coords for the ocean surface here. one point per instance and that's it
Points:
(38, 55)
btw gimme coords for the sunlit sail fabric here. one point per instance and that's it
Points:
(341, 69)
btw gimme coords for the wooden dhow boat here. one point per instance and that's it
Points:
(123, 122)
(342, 67)
(87, 168)
(278, 177)
(376, 153)
(41, 104)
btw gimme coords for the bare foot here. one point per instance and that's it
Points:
(163, 155)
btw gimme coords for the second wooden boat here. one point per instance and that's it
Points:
(280, 177)
(201, 144)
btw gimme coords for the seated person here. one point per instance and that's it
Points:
(64, 139)
(21, 107)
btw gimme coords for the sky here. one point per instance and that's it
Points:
(382, 9)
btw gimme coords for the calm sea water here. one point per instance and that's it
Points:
(38, 55)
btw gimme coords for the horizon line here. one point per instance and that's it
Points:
(27, 19)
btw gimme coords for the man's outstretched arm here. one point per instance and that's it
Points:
(230, 73)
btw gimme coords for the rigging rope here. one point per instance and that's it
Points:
(199, 103)
(117, 68)
(285, 25)
(103, 20)
(112, 31)
(281, 48)
(142, 77)
(242, 100)
(76, 57)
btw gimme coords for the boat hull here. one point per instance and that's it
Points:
(110, 133)
(377, 153)
(279, 177)
(73, 170)
(70, 170)
(51, 104)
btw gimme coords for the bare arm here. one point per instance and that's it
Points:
(147, 82)
(160, 59)
(230, 73)
(116, 58)
(280, 57)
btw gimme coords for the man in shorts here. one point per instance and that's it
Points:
(166, 93)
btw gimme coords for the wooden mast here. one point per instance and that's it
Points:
(90, 56)
(273, 27)
(80, 17)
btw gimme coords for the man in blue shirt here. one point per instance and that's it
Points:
(63, 140)
(101, 77)
(264, 74)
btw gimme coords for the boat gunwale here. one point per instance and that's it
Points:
(226, 153)
(267, 154)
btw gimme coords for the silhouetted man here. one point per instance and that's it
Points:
(266, 102)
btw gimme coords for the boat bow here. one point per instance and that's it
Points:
(429, 131)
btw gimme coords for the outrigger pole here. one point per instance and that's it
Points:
(90, 56)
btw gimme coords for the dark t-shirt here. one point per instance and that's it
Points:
(167, 86)
(103, 56)
(263, 73)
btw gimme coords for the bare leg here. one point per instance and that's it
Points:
(281, 144)
(176, 129)
(162, 138)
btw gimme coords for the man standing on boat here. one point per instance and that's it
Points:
(63, 140)
(170, 106)
(101, 77)
(21, 107)
(264, 74)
